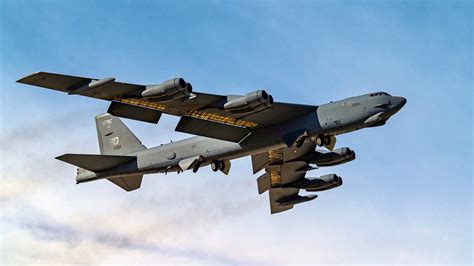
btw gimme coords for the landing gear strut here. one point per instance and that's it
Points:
(197, 164)
(196, 168)
(300, 140)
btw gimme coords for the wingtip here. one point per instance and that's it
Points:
(25, 78)
(58, 157)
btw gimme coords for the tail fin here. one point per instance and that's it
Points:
(114, 137)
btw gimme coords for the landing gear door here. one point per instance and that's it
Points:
(332, 143)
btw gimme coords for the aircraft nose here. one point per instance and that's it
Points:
(398, 102)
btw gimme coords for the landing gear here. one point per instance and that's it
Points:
(197, 164)
(300, 140)
(319, 141)
(326, 140)
(323, 140)
(217, 165)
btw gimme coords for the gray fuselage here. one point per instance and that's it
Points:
(333, 118)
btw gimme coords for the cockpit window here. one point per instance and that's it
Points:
(378, 94)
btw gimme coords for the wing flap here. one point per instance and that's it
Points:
(285, 172)
(134, 112)
(264, 183)
(211, 129)
(277, 194)
(259, 161)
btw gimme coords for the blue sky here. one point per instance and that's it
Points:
(406, 199)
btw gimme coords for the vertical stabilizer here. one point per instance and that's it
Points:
(114, 137)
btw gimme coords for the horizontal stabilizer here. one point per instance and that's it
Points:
(134, 112)
(128, 183)
(96, 163)
(211, 129)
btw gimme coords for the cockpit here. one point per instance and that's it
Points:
(379, 94)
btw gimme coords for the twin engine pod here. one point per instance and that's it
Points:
(324, 182)
(337, 156)
(178, 88)
(321, 183)
(252, 102)
(172, 89)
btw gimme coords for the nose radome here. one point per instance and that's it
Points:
(399, 102)
(403, 101)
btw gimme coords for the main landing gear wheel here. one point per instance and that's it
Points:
(319, 140)
(326, 140)
(323, 140)
(217, 165)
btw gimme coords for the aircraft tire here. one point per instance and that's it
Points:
(319, 141)
(216, 166)
(326, 140)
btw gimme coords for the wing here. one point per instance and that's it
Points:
(108, 91)
(209, 107)
(284, 175)
(202, 108)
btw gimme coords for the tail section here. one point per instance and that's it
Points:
(116, 139)
(114, 136)
(116, 143)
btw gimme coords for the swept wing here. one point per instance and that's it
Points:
(201, 109)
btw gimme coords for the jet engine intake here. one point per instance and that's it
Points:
(169, 90)
(337, 156)
(252, 102)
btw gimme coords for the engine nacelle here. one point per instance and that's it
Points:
(252, 102)
(337, 156)
(171, 89)
(324, 182)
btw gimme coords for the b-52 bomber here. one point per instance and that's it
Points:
(281, 138)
